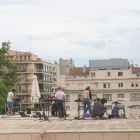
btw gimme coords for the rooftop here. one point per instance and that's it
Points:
(78, 71)
(17, 124)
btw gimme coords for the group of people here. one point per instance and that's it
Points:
(98, 108)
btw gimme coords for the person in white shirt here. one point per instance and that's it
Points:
(60, 96)
(10, 99)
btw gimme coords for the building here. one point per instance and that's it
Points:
(59, 71)
(28, 65)
(111, 79)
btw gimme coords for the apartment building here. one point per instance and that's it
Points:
(111, 79)
(59, 70)
(28, 65)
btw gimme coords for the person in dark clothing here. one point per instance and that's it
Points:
(103, 101)
(60, 96)
(97, 109)
(53, 109)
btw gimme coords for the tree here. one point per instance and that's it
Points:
(8, 74)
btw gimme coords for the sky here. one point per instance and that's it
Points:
(79, 29)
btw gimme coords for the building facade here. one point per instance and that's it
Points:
(112, 80)
(28, 65)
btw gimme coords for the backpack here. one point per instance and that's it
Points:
(87, 115)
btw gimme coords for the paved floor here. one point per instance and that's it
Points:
(17, 124)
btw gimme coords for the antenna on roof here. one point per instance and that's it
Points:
(109, 46)
(30, 42)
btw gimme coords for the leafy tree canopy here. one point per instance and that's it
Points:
(8, 73)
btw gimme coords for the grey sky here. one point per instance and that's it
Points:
(78, 29)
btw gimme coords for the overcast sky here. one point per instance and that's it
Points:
(78, 29)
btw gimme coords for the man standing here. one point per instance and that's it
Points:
(60, 96)
(10, 99)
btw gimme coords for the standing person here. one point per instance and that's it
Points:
(90, 96)
(86, 100)
(10, 99)
(60, 96)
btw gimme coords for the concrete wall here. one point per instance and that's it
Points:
(72, 136)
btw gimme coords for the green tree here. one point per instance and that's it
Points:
(8, 74)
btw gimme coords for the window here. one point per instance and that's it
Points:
(7, 57)
(120, 73)
(24, 57)
(120, 95)
(74, 77)
(107, 96)
(67, 98)
(120, 84)
(11, 58)
(85, 77)
(22, 97)
(93, 74)
(132, 84)
(20, 67)
(104, 85)
(20, 57)
(49, 79)
(108, 74)
(28, 57)
(109, 85)
(48, 68)
(53, 69)
(94, 96)
(134, 96)
(136, 84)
(136, 107)
(50, 88)
(109, 107)
(67, 108)
(80, 96)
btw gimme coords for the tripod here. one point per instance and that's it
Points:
(78, 117)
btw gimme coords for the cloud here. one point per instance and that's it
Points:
(73, 29)
(18, 2)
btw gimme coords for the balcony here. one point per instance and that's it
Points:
(43, 90)
(25, 81)
(33, 70)
(44, 81)
(24, 91)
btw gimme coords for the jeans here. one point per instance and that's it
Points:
(9, 104)
(60, 108)
(87, 102)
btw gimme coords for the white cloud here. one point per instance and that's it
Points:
(79, 29)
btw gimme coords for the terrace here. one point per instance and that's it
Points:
(70, 129)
